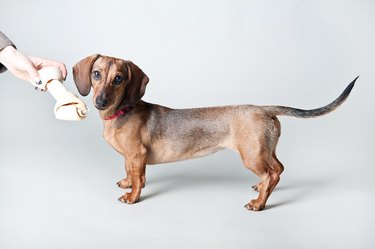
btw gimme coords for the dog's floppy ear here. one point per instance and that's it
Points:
(136, 86)
(82, 74)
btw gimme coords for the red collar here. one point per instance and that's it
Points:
(119, 113)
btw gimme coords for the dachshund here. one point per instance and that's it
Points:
(146, 133)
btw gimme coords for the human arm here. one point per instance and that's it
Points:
(22, 66)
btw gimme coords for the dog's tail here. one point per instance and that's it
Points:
(290, 111)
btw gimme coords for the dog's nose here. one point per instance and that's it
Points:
(101, 102)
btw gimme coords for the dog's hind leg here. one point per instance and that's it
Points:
(276, 165)
(271, 138)
(258, 155)
(259, 163)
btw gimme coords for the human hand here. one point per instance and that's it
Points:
(26, 67)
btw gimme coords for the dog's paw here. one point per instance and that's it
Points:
(254, 205)
(124, 183)
(128, 198)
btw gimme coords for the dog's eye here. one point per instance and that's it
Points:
(96, 75)
(117, 79)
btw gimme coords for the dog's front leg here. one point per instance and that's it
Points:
(137, 167)
(127, 181)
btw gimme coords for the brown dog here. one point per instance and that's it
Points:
(146, 133)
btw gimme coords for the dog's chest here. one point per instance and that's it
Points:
(112, 137)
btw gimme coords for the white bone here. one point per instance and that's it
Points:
(68, 105)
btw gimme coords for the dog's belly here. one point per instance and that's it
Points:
(172, 151)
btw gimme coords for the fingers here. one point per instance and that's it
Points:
(33, 73)
(63, 70)
(40, 63)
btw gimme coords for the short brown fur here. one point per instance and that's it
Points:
(152, 134)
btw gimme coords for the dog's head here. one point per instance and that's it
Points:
(116, 83)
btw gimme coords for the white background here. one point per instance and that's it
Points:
(57, 179)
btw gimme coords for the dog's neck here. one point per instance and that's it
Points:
(119, 113)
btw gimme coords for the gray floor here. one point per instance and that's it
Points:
(72, 202)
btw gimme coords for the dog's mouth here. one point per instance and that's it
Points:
(100, 108)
